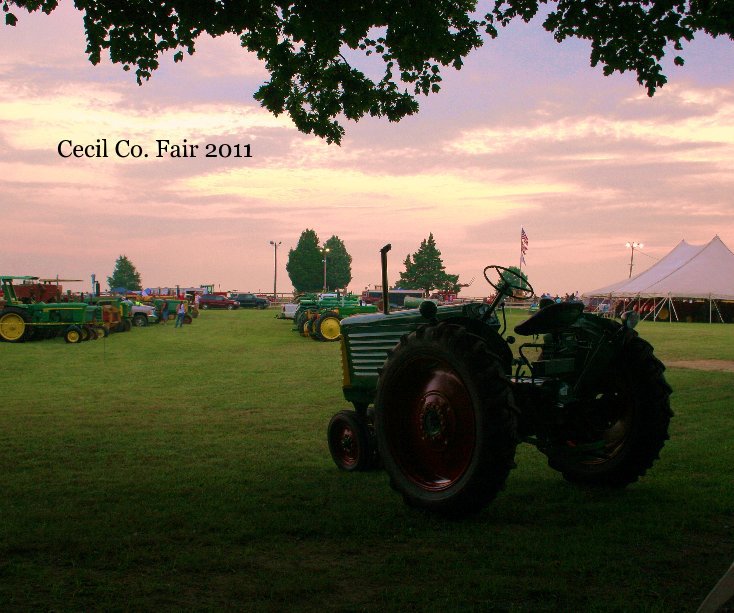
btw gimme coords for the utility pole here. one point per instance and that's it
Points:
(275, 270)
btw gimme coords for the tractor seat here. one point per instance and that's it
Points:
(550, 318)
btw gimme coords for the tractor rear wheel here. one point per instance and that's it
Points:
(445, 420)
(14, 326)
(351, 442)
(328, 327)
(73, 334)
(618, 435)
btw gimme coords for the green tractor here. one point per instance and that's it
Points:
(173, 303)
(320, 317)
(76, 321)
(441, 400)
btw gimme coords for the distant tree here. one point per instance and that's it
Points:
(305, 263)
(521, 282)
(338, 264)
(425, 270)
(315, 51)
(125, 275)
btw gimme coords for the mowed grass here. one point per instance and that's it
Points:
(188, 469)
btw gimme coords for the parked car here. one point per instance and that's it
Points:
(250, 301)
(217, 301)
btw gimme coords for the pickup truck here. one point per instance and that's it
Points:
(251, 301)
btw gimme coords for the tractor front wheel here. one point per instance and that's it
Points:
(351, 442)
(616, 437)
(328, 327)
(445, 420)
(14, 326)
(73, 334)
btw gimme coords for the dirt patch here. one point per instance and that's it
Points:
(720, 365)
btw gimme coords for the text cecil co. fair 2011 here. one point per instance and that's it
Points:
(164, 148)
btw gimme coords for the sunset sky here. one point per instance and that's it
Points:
(525, 135)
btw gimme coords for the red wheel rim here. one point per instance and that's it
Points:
(430, 424)
(345, 444)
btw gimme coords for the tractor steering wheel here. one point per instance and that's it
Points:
(515, 281)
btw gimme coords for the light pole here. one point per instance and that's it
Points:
(275, 270)
(325, 250)
(633, 245)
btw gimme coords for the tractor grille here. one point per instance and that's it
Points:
(368, 350)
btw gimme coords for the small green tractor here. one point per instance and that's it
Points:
(442, 396)
(319, 317)
(76, 321)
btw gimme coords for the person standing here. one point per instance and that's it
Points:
(164, 312)
(180, 314)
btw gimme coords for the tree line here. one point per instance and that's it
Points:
(313, 267)
(329, 267)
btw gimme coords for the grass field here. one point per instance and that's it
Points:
(188, 469)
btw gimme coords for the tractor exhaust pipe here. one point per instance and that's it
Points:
(385, 294)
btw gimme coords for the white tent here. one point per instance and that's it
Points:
(688, 274)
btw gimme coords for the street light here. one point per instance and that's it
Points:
(275, 271)
(633, 245)
(325, 250)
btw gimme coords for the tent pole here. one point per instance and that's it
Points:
(710, 309)
(672, 308)
(718, 312)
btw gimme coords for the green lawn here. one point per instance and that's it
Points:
(188, 469)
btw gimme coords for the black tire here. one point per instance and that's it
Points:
(187, 319)
(127, 325)
(445, 420)
(230, 307)
(328, 327)
(625, 429)
(85, 333)
(14, 325)
(351, 442)
(313, 329)
(308, 327)
(140, 320)
(300, 322)
(205, 306)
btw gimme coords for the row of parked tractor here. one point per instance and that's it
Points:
(77, 319)
(318, 316)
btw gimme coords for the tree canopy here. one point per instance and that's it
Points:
(124, 275)
(425, 270)
(338, 264)
(304, 265)
(310, 48)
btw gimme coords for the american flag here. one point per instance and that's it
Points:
(523, 242)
